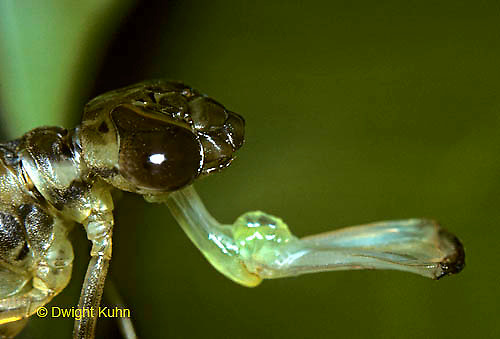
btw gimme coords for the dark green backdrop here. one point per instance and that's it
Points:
(356, 112)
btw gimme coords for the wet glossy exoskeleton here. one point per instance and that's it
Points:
(155, 138)
(150, 138)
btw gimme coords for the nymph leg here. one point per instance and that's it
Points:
(99, 228)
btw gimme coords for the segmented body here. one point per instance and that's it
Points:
(34, 248)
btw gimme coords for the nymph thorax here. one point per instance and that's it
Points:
(56, 173)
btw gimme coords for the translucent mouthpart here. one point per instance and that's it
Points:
(260, 246)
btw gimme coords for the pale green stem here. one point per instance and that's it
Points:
(260, 246)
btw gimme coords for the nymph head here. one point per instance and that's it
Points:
(158, 136)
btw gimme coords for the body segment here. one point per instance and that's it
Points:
(35, 255)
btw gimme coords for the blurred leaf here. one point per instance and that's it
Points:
(44, 46)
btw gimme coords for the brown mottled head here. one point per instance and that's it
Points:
(158, 136)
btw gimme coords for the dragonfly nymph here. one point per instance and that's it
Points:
(156, 138)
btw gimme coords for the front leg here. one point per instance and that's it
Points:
(99, 227)
(260, 246)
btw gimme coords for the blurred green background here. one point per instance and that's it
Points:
(356, 112)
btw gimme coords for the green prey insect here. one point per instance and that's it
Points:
(156, 138)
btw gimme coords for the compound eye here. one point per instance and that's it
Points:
(155, 154)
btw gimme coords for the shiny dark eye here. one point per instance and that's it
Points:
(155, 154)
